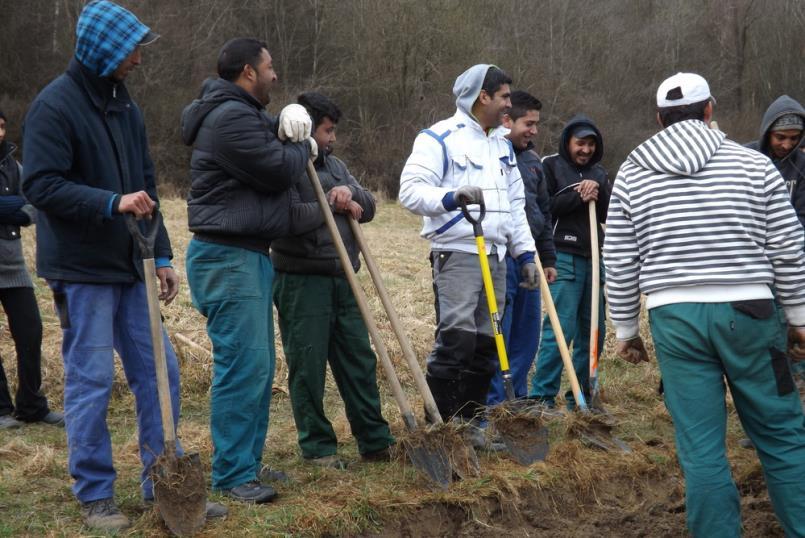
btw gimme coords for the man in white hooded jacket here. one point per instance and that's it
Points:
(704, 228)
(465, 158)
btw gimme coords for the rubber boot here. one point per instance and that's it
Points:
(445, 393)
(472, 405)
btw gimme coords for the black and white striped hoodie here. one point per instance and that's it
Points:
(695, 217)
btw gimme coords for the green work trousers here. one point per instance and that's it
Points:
(698, 346)
(320, 322)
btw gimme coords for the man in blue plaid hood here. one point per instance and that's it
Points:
(87, 166)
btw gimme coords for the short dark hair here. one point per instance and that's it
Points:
(494, 79)
(319, 106)
(522, 102)
(236, 54)
(3, 116)
(674, 114)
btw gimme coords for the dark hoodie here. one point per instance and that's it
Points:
(571, 222)
(792, 166)
(240, 172)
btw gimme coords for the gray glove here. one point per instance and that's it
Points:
(469, 194)
(530, 276)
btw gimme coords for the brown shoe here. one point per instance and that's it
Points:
(104, 515)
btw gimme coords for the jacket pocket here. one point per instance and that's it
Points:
(782, 372)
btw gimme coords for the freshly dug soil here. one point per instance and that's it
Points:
(632, 506)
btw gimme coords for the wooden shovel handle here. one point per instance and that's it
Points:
(360, 298)
(596, 291)
(396, 325)
(560, 336)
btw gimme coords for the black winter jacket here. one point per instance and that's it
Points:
(240, 172)
(571, 221)
(314, 252)
(84, 141)
(792, 166)
(537, 203)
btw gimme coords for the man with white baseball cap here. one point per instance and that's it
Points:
(704, 228)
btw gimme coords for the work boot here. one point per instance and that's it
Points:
(252, 492)
(472, 434)
(53, 418)
(328, 462)
(104, 515)
(8, 422)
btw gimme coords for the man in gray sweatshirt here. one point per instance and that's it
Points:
(704, 228)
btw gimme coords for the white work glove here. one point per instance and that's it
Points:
(469, 194)
(314, 148)
(295, 124)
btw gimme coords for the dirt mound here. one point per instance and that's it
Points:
(621, 507)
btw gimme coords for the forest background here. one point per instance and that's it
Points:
(391, 64)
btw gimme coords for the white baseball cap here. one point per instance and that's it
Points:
(683, 89)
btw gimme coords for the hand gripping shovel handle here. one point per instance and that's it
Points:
(560, 337)
(360, 298)
(145, 242)
(489, 288)
(396, 325)
(596, 291)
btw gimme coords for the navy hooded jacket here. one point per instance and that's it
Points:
(84, 143)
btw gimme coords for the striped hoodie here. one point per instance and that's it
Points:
(695, 217)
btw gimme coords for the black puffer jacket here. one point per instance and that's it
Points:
(314, 252)
(792, 166)
(240, 171)
(571, 221)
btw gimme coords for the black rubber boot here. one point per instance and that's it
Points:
(474, 390)
(445, 393)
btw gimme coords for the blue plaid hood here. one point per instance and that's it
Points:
(105, 35)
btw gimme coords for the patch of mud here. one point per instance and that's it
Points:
(639, 507)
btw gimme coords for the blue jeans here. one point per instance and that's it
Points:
(572, 293)
(521, 327)
(231, 287)
(95, 319)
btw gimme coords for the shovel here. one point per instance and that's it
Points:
(519, 427)
(594, 429)
(463, 458)
(428, 457)
(179, 487)
(595, 388)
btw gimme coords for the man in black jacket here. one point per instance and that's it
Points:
(319, 318)
(239, 201)
(575, 178)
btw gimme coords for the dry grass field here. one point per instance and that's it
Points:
(577, 491)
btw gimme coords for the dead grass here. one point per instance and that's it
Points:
(35, 497)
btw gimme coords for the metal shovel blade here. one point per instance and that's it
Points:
(595, 430)
(180, 492)
(522, 430)
(429, 458)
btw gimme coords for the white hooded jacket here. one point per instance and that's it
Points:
(456, 152)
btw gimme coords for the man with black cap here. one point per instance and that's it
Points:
(87, 167)
(574, 178)
(703, 227)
